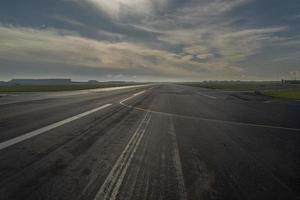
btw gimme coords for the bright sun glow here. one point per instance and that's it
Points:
(114, 7)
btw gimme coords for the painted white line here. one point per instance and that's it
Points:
(110, 188)
(118, 88)
(76, 92)
(136, 94)
(12, 102)
(206, 95)
(31, 134)
(177, 163)
(214, 120)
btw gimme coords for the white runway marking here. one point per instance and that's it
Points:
(206, 95)
(136, 94)
(213, 120)
(110, 188)
(118, 88)
(12, 102)
(31, 134)
(72, 93)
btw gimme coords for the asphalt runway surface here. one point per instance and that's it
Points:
(161, 141)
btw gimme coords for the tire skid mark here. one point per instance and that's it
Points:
(163, 170)
(21, 179)
(143, 173)
(177, 163)
(133, 180)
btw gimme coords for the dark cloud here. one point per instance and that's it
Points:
(171, 39)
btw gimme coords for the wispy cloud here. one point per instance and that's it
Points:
(191, 39)
(51, 46)
(67, 20)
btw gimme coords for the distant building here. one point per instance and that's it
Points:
(291, 82)
(3, 83)
(41, 81)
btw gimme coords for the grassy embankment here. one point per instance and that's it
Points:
(53, 88)
(284, 93)
(272, 89)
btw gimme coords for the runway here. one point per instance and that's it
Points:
(158, 141)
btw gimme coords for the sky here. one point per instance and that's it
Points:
(150, 40)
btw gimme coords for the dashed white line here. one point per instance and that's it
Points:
(31, 134)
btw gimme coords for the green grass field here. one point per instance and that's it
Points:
(53, 88)
(287, 94)
(238, 85)
(272, 89)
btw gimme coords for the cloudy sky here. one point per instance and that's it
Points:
(170, 40)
